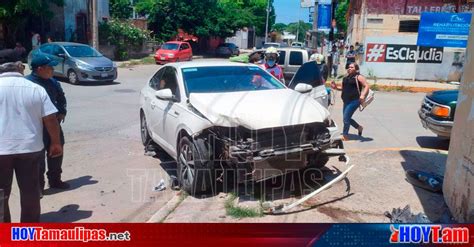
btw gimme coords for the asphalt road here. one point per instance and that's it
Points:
(112, 180)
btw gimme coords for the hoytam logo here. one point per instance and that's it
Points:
(389, 53)
(435, 234)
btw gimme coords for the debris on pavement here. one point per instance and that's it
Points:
(406, 216)
(279, 209)
(161, 186)
(424, 180)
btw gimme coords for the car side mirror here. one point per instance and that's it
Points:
(303, 88)
(165, 94)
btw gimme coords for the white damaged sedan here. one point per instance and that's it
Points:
(210, 116)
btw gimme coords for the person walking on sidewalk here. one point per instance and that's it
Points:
(42, 66)
(25, 110)
(352, 98)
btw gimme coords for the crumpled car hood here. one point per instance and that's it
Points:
(258, 109)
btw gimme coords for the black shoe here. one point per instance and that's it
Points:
(59, 185)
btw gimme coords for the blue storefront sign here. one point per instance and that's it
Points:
(444, 29)
(324, 15)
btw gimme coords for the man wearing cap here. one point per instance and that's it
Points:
(25, 110)
(42, 74)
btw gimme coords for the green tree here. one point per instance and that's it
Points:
(123, 34)
(299, 28)
(15, 13)
(279, 27)
(205, 18)
(341, 12)
(121, 9)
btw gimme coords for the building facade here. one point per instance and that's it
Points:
(387, 32)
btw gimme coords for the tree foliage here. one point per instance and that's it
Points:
(15, 13)
(299, 28)
(123, 34)
(16, 9)
(121, 9)
(205, 18)
(279, 27)
(341, 12)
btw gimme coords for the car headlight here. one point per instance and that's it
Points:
(84, 66)
(440, 111)
(171, 55)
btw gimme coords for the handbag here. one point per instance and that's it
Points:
(368, 98)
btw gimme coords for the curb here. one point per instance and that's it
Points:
(167, 209)
(401, 88)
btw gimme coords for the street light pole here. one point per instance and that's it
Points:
(266, 25)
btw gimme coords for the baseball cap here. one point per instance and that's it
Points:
(42, 60)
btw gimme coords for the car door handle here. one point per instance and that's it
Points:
(176, 113)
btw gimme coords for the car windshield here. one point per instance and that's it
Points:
(223, 79)
(82, 51)
(170, 46)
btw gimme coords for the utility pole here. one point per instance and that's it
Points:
(95, 26)
(268, 16)
(298, 31)
(314, 32)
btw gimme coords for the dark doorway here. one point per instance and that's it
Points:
(81, 28)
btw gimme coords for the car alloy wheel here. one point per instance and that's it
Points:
(72, 77)
(195, 166)
(145, 135)
(186, 165)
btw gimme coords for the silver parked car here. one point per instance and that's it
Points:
(227, 50)
(78, 62)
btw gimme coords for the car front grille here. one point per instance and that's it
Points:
(103, 68)
(109, 77)
(427, 105)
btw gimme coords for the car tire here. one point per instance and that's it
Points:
(195, 166)
(144, 133)
(317, 160)
(72, 77)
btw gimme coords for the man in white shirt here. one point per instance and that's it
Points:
(24, 108)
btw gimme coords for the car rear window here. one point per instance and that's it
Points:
(281, 59)
(296, 58)
(222, 79)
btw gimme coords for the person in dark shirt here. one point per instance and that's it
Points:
(42, 66)
(352, 96)
(350, 56)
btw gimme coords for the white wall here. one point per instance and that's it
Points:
(240, 39)
(444, 71)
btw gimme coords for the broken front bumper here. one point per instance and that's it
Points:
(263, 154)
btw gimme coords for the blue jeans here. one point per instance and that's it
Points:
(348, 110)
